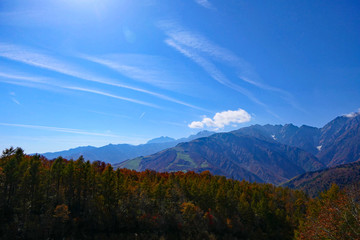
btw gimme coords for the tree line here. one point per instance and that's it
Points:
(77, 199)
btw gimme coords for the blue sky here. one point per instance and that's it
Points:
(92, 72)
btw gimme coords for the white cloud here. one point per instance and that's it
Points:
(222, 119)
(353, 114)
(196, 124)
(205, 4)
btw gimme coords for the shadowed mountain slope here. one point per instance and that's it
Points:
(232, 155)
(340, 141)
(336, 143)
(269, 153)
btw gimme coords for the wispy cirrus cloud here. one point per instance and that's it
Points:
(15, 101)
(205, 4)
(13, 98)
(212, 70)
(47, 84)
(29, 81)
(31, 57)
(110, 95)
(142, 115)
(22, 78)
(203, 52)
(58, 129)
(139, 67)
(151, 76)
(198, 42)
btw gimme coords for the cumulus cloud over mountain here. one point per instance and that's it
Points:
(222, 119)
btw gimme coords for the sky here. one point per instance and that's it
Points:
(93, 72)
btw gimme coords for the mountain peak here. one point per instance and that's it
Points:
(290, 125)
(161, 139)
(204, 132)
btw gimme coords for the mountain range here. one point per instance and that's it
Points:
(269, 153)
(115, 153)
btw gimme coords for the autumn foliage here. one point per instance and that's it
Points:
(67, 199)
(335, 215)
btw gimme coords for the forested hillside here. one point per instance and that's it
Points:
(67, 199)
(317, 181)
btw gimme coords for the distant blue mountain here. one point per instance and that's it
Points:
(116, 153)
(161, 139)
